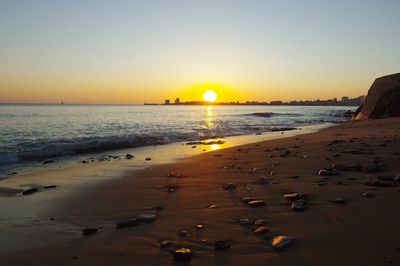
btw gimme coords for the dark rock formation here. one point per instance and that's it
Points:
(383, 99)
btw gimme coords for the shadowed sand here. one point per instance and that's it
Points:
(363, 231)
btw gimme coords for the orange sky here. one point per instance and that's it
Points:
(147, 51)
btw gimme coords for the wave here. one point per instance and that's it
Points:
(41, 151)
(270, 114)
(44, 150)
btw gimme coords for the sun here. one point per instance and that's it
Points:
(210, 96)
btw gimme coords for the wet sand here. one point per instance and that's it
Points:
(362, 231)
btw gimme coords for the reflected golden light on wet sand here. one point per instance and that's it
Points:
(214, 147)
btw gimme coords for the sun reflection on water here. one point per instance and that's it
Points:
(209, 120)
(214, 147)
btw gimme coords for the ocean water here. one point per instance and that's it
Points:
(39, 132)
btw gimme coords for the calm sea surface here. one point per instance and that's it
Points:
(39, 132)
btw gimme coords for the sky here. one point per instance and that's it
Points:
(146, 51)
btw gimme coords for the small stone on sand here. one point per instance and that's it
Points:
(146, 218)
(368, 194)
(129, 156)
(281, 242)
(263, 180)
(338, 200)
(259, 222)
(89, 231)
(256, 203)
(298, 205)
(199, 226)
(246, 222)
(49, 186)
(261, 230)
(29, 191)
(165, 243)
(183, 254)
(247, 199)
(127, 223)
(327, 172)
(229, 186)
(183, 233)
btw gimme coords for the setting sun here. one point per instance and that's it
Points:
(210, 96)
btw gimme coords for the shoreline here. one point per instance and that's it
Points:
(182, 149)
(323, 226)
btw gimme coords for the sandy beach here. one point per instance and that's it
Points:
(357, 229)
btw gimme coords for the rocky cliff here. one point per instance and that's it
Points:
(383, 99)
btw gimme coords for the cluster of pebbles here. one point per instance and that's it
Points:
(297, 201)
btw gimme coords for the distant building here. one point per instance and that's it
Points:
(167, 102)
(177, 101)
(345, 100)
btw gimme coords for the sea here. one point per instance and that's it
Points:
(39, 132)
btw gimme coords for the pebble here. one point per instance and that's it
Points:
(199, 226)
(212, 206)
(327, 172)
(89, 231)
(263, 180)
(296, 196)
(229, 186)
(298, 205)
(368, 195)
(259, 222)
(338, 200)
(252, 171)
(146, 218)
(129, 156)
(247, 199)
(339, 167)
(281, 242)
(261, 230)
(49, 186)
(148, 159)
(128, 223)
(256, 203)
(246, 222)
(29, 191)
(183, 233)
(165, 243)
(183, 254)
(171, 188)
(222, 244)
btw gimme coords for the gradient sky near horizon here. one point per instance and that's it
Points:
(145, 51)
